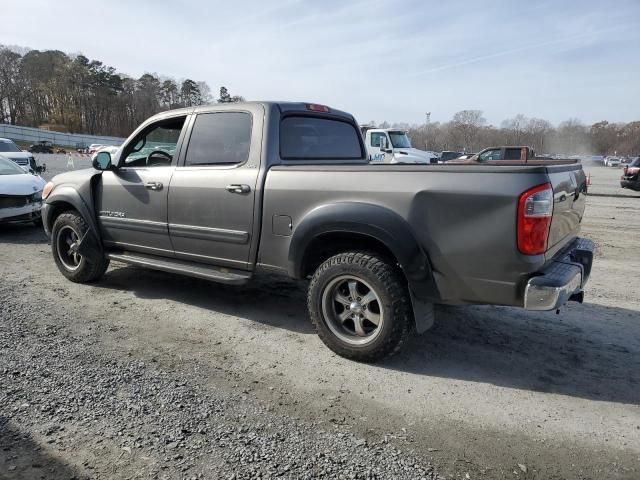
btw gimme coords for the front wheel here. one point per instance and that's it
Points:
(66, 233)
(360, 307)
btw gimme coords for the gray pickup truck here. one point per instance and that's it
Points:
(221, 192)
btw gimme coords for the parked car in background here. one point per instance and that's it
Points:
(289, 188)
(10, 150)
(109, 148)
(20, 193)
(93, 148)
(518, 155)
(447, 155)
(43, 146)
(612, 161)
(631, 175)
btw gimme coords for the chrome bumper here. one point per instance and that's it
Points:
(562, 280)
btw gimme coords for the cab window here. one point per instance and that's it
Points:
(512, 153)
(375, 138)
(221, 138)
(491, 154)
(314, 138)
(155, 146)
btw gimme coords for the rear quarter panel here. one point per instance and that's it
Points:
(463, 216)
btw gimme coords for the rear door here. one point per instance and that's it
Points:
(569, 199)
(213, 190)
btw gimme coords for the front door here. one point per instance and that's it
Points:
(212, 192)
(132, 199)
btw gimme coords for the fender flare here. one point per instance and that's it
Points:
(382, 224)
(90, 244)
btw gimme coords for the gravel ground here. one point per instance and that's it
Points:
(150, 375)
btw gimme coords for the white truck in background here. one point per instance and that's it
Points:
(391, 145)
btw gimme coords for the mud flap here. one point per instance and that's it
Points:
(89, 247)
(423, 313)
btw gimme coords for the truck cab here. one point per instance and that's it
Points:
(389, 145)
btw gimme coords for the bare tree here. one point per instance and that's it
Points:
(515, 129)
(466, 126)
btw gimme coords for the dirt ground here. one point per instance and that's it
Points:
(489, 392)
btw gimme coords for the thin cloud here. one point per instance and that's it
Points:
(512, 51)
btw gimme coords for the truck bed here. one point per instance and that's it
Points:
(463, 216)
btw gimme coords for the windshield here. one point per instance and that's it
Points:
(399, 140)
(7, 167)
(8, 146)
(635, 163)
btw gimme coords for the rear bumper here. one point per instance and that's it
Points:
(562, 280)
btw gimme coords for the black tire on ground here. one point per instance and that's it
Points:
(79, 269)
(332, 297)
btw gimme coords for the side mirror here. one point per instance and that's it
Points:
(383, 143)
(102, 161)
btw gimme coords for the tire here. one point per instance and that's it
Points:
(344, 317)
(67, 229)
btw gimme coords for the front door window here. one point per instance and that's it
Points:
(155, 146)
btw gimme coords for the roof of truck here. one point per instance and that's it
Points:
(282, 106)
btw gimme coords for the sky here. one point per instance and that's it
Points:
(390, 60)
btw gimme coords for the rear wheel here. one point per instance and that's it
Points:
(359, 305)
(66, 233)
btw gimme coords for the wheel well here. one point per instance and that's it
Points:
(58, 208)
(329, 244)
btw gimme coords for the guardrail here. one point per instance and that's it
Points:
(34, 135)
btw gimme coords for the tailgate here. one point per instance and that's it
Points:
(569, 197)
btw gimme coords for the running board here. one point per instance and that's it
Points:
(173, 265)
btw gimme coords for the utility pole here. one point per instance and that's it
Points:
(426, 140)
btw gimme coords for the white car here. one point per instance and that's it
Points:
(20, 193)
(109, 148)
(94, 147)
(612, 162)
(10, 150)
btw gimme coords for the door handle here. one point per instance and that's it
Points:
(153, 185)
(236, 188)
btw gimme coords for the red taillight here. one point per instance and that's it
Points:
(314, 107)
(535, 208)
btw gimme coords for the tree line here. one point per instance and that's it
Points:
(468, 131)
(79, 95)
(86, 96)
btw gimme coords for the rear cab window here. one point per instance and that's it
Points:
(305, 137)
(512, 153)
